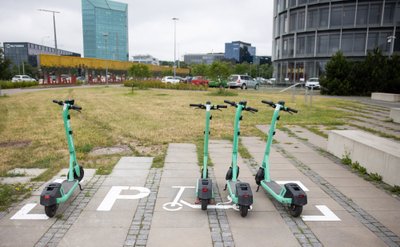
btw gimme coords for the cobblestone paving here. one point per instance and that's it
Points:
(138, 233)
(300, 230)
(221, 234)
(57, 231)
(390, 238)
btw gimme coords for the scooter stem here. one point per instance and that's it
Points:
(206, 134)
(236, 130)
(71, 148)
(265, 162)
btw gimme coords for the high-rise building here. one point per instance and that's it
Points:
(146, 59)
(105, 29)
(240, 51)
(308, 32)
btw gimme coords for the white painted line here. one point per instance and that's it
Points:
(23, 213)
(296, 182)
(328, 215)
(59, 180)
(175, 205)
(115, 193)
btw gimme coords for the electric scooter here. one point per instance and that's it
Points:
(291, 194)
(59, 190)
(204, 188)
(239, 192)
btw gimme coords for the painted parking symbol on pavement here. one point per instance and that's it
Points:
(23, 213)
(115, 194)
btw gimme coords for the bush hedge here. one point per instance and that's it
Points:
(159, 84)
(9, 84)
(377, 73)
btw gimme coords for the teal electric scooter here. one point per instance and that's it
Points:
(239, 192)
(60, 191)
(291, 194)
(204, 188)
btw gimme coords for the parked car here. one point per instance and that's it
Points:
(218, 83)
(243, 82)
(199, 80)
(170, 79)
(313, 83)
(17, 78)
(262, 80)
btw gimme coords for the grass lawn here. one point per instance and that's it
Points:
(32, 132)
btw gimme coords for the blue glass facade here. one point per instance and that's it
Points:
(240, 51)
(105, 29)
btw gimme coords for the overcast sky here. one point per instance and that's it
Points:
(204, 25)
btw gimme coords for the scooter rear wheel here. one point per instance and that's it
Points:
(243, 210)
(295, 210)
(204, 204)
(51, 210)
(81, 171)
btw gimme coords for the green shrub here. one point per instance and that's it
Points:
(9, 84)
(346, 159)
(375, 176)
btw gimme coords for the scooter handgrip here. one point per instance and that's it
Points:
(251, 109)
(195, 105)
(221, 106)
(230, 102)
(267, 102)
(75, 107)
(57, 102)
(292, 110)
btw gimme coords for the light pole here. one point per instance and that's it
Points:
(105, 35)
(175, 19)
(390, 40)
(54, 24)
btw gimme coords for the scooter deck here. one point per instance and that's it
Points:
(67, 185)
(274, 186)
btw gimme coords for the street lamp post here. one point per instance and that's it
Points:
(54, 25)
(105, 35)
(175, 19)
(390, 40)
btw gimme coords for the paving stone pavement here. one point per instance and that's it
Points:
(355, 195)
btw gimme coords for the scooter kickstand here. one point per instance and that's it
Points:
(225, 187)
(80, 187)
(258, 187)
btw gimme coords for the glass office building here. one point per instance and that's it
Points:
(239, 51)
(24, 52)
(308, 32)
(105, 29)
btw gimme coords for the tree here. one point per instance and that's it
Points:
(200, 69)
(5, 73)
(139, 71)
(243, 68)
(219, 70)
(336, 81)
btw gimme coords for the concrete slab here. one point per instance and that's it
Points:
(395, 114)
(376, 154)
(95, 236)
(179, 237)
(391, 97)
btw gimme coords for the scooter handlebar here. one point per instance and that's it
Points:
(221, 106)
(196, 105)
(272, 104)
(58, 102)
(291, 110)
(75, 107)
(230, 102)
(248, 108)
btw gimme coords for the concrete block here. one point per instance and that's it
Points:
(395, 114)
(376, 154)
(386, 97)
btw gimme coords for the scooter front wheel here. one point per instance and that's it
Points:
(81, 171)
(243, 210)
(295, 210)
(51, 210)
(204, 204)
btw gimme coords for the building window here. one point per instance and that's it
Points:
(291, 47)
(302, 2)
(389, 13)
(347, 42)
(310, 45)
(359, 42)
(301, 18)
(336, 16)
(323, 17)
(348, 15)
(375, 14)
(300, 45)
(362, 15)
(292, 3)
(372, 40)
(312, 21)
(322, 45)
(293, 21)
(334, 40)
